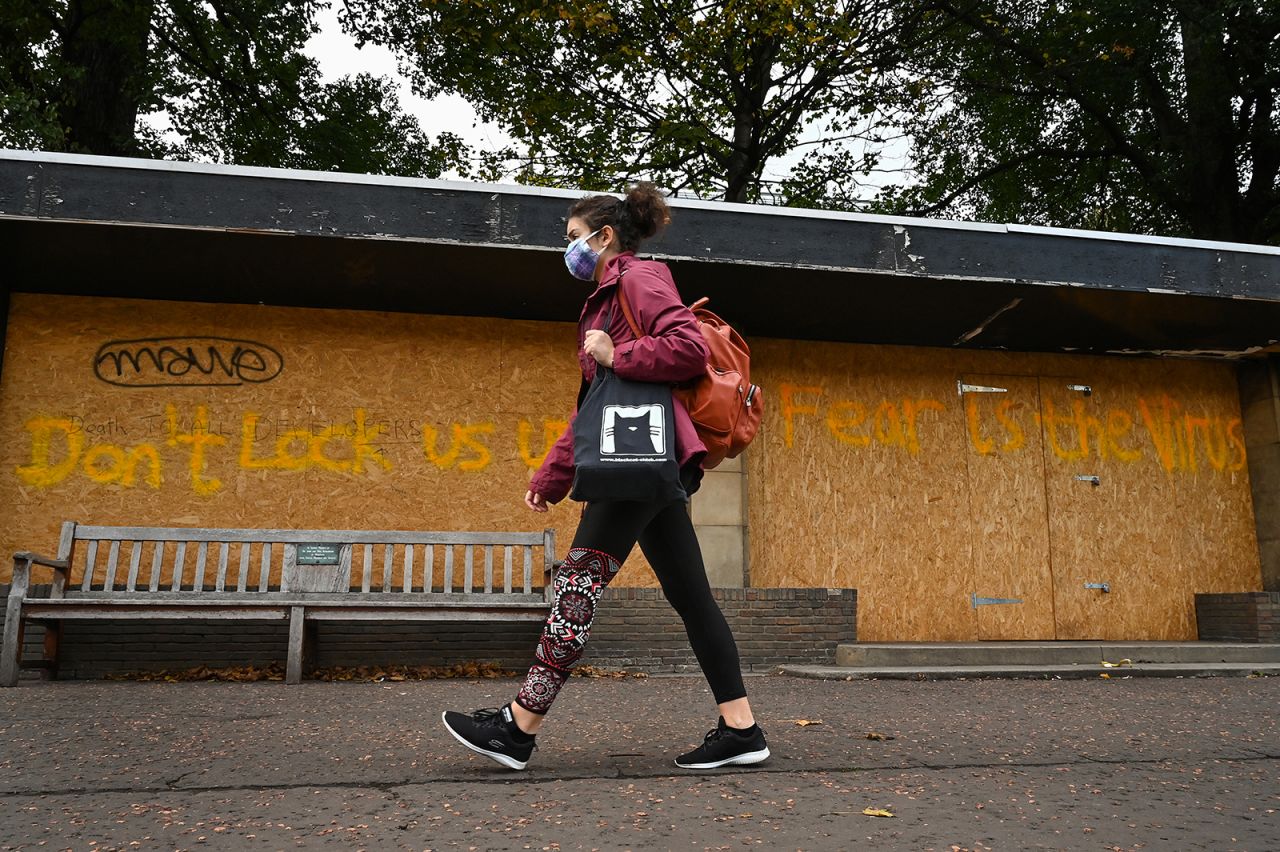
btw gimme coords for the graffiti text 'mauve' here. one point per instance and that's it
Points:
(158, 361)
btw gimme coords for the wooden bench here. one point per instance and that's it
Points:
(299, 576)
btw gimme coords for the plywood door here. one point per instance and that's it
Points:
(1010, 527)
(1121, 531)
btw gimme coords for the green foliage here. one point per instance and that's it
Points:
(1128, 115)
(695, 95)
(230, 76)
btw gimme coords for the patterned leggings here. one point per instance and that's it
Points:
(604, 539)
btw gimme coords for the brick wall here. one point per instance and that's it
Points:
(1242, 616)
(634, 629)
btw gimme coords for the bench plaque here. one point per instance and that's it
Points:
(318, 554)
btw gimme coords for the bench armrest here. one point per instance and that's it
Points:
(22, 562)
(36, 559)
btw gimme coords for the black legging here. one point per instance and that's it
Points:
(605, 536)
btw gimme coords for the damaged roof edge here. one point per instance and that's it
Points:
(467, 187)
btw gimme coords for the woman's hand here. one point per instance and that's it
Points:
(536, 502)
(599, 346)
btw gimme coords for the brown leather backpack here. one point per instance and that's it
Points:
(723, 404)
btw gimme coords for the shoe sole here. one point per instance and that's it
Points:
(737, 760)
(505, 760)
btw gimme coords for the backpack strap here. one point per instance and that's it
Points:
(626, 311)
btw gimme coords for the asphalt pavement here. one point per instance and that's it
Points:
(1159, 764)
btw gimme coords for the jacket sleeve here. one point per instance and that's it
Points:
(554, 478)
(673, 349)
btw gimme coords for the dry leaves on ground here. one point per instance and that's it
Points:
(596, 671)
(375, 674)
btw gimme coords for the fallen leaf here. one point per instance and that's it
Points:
(1105, 676)
(876, 735)
(1125, 662)
(876, 812)
(804, 723)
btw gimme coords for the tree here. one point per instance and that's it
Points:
(695, 95)
(1126, 115)
(230, 76)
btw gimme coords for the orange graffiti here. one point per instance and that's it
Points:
(789, 408)
(102, 463)
(1180, 440)
(464, 438)
(311, 446)
(198, 438)
(551, 430)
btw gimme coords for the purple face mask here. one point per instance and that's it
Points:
(581, 258)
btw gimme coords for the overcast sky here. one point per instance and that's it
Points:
(338, 56)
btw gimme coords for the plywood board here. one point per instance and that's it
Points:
(1171, 514)
(859, 479)
(1012, 582)
(167, 413)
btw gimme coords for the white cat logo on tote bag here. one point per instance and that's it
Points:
(633, 430)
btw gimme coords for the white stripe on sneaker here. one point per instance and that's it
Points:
(738, 759)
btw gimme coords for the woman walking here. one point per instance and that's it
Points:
(604, 233)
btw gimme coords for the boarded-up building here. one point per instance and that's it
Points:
(990, 431)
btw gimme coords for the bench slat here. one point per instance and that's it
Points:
(488, 568)
(338, 612)
(264, 568)
(90, 558)
(373, 599)
(436, 612)
(135, 556)
(448, 569)
(179, 558)
(467, 575)
(113, 557)
(202, 556)
(221, 583)
(172, 609)
(407, 586)
(157, 563)
(429, 569)
(242, 574)
(106, 533)
(528, 570)
(506, 569)
(366, 573)
(388, 553)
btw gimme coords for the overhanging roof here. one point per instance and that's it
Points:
(160, 229)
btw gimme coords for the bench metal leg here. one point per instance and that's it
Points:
(297, 645)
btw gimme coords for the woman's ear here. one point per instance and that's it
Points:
(608, 233)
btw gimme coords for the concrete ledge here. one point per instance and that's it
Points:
(1041, 672)
(1007, 654)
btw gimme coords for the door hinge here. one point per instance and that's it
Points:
(962, 388)
(977, 601)
(1102, 587)
(1090, 478)
(1084, 389)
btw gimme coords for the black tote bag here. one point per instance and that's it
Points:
(624, 441)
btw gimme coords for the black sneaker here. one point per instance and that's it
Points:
(492, 733)
(725, 747)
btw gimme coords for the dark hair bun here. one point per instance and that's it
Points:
(647, 209)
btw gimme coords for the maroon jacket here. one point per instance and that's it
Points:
(672, 350)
